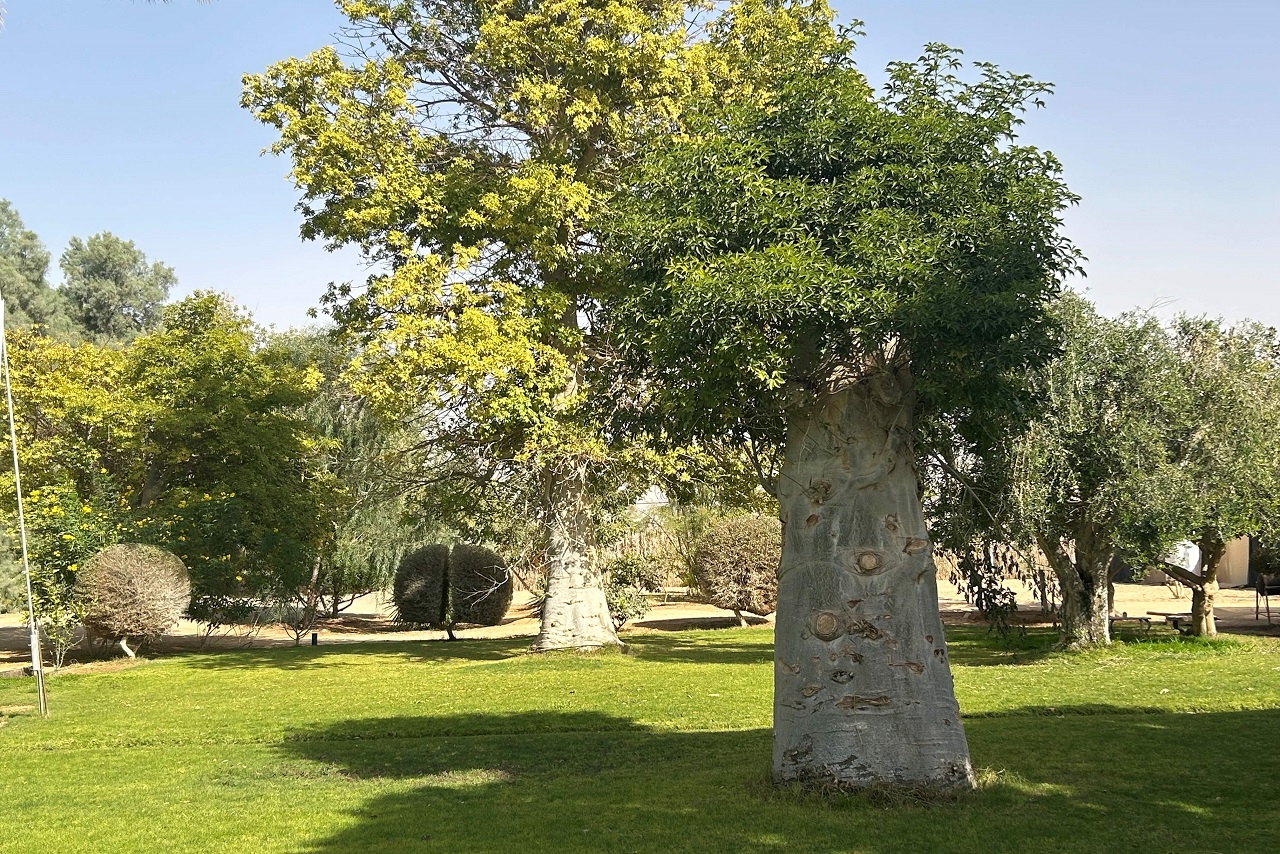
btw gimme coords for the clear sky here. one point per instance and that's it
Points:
(123, 116)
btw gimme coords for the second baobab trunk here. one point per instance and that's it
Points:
(574, 613)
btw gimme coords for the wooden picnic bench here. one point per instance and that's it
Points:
(1144, 623)
(1181, 621)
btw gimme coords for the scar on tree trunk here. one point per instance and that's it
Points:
(863, 694)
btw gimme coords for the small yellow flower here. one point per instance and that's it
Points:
(86, 509)
(73, 567)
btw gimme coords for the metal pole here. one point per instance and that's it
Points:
(37, 666)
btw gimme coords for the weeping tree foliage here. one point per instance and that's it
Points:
(373, 462)
(825, 267)
(466, 147)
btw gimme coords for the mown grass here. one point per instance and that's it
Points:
(474, 747)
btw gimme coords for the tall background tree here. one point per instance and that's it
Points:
(830, 269)
(467, 147)
(24, 267)
(111, 291)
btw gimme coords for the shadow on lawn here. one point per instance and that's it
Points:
(586, 781)
(339, 654)
(701, 647)
(749, 646)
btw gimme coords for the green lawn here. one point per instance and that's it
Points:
(474, 747)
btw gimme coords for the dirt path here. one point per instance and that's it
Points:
(369, 621)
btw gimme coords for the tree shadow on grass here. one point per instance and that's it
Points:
(977, 646)
(340, 654)
(587, 781)
(704, 647)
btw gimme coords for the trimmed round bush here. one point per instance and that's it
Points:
(419, 590)
(133, 591)
(480, 585)
(736, 564)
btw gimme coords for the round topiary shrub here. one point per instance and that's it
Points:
(133, 591)
(480, 586)
(736, 564)
(420, 591)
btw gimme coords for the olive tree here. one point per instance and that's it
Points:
(1227, 450)
(1094, 473)
(824, 267)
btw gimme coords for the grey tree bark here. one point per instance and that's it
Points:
(1086, 594)
(574, 614)
(863, 694)
(1204, 587)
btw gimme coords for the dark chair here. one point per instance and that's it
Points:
(1265, 587)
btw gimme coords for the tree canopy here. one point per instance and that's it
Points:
(111, 290)
(468, 148)
(843, 273)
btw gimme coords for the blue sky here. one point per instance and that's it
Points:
(123, 116)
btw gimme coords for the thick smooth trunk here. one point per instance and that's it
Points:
(574, 615)
(863, 694)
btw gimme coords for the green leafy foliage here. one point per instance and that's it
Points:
(227, 469)
(628, 580)
(189, 437)
(24, 266)
(821, 233)
(111, 292)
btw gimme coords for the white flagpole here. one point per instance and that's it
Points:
(37, 666)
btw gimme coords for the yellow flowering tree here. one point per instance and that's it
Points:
(468, 148)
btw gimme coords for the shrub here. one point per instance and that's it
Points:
(736, 564)
(438, 588)
(627, 580)
(419, 590)
(133, 591)
(480, 586)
